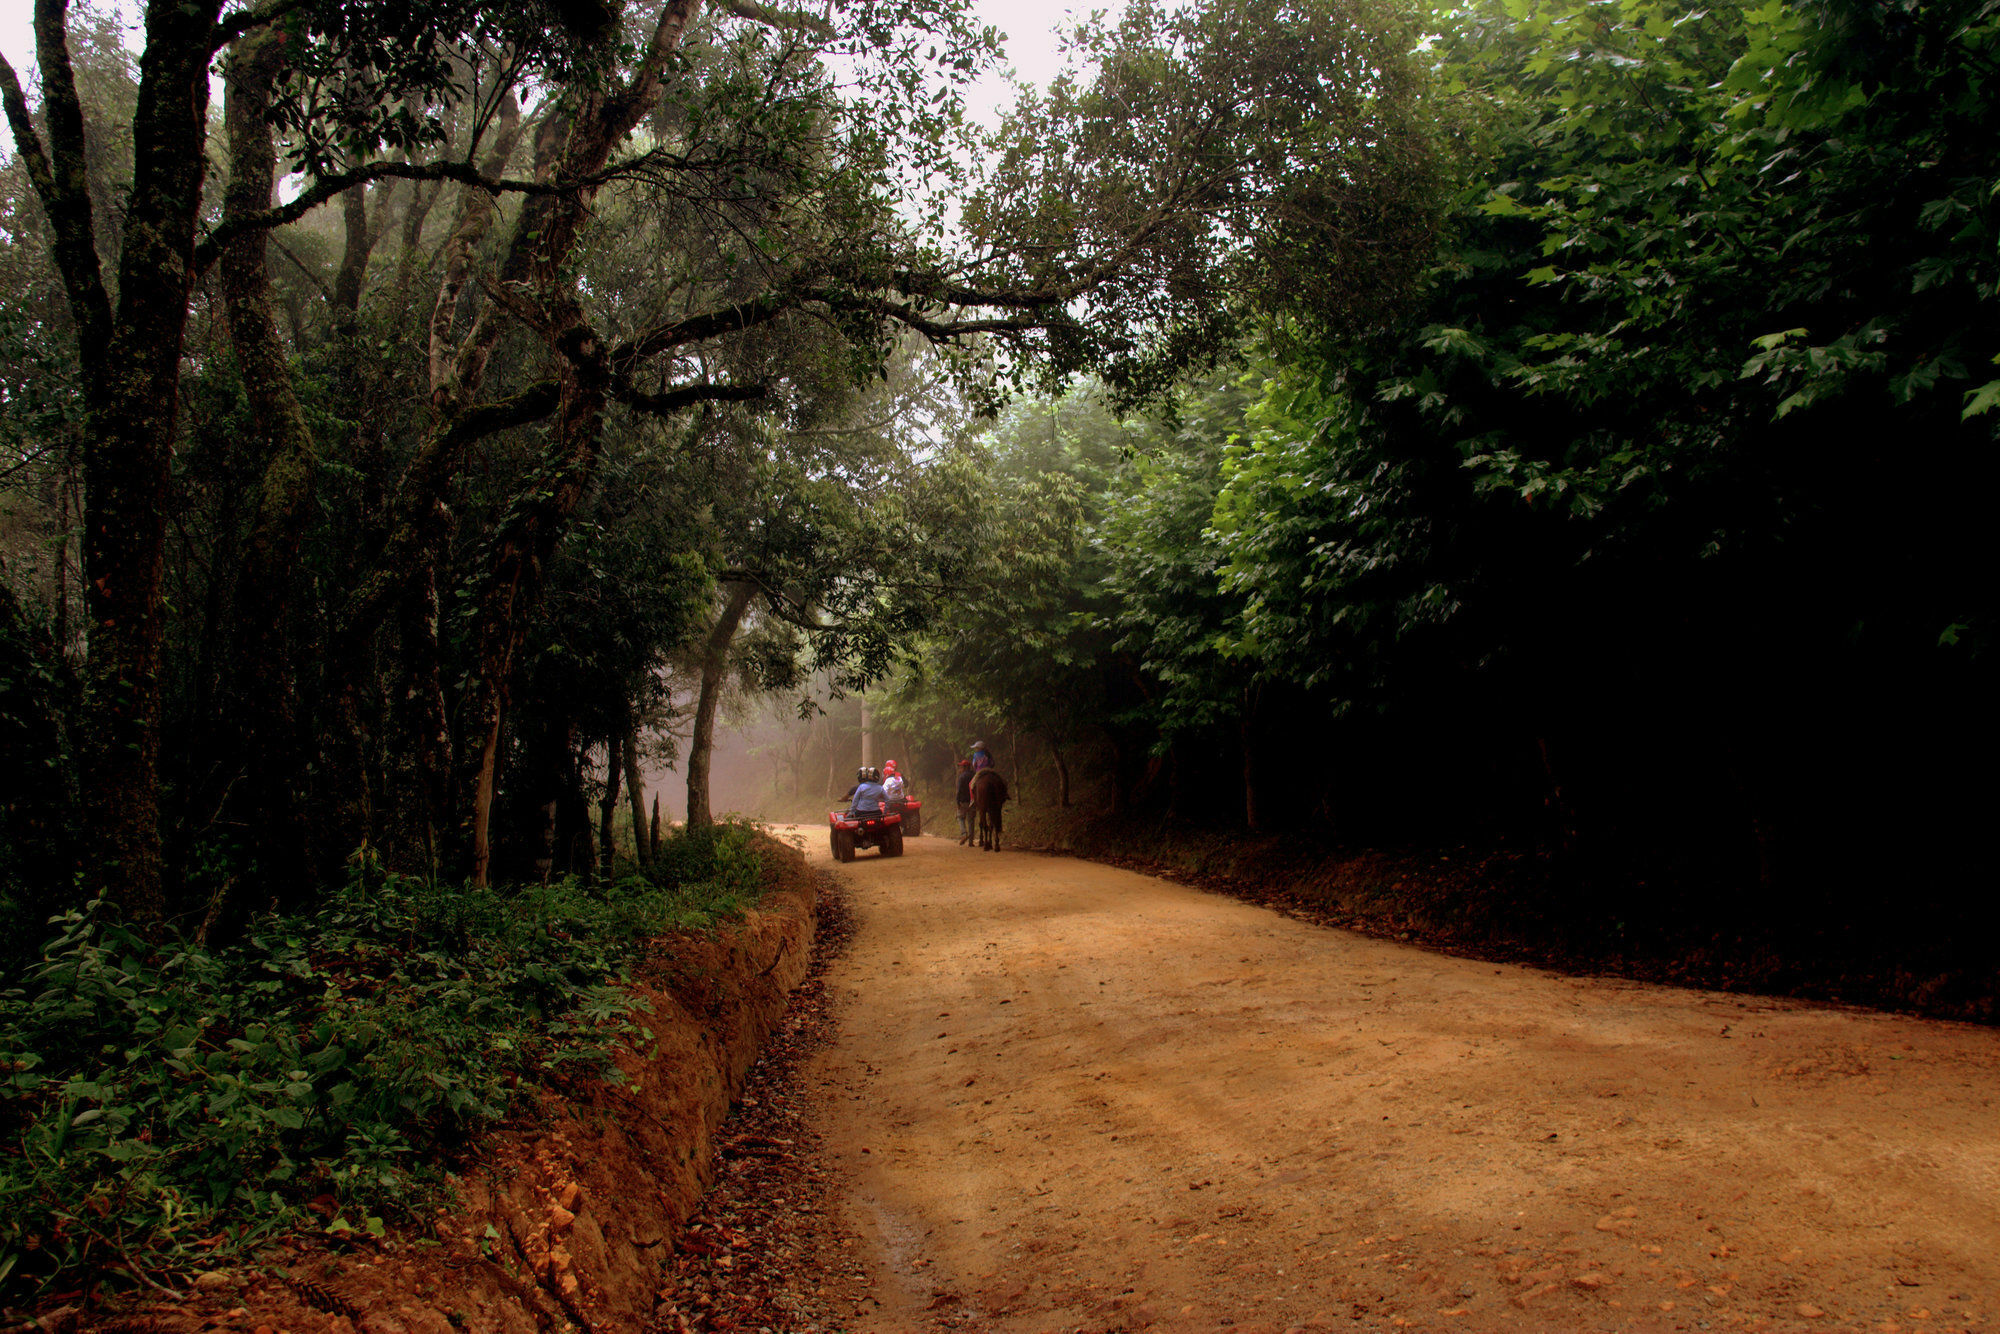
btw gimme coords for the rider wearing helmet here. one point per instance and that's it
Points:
(892, 784)
(868, 793)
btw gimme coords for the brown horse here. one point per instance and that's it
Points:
(989, 794)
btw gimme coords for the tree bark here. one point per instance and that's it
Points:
(496, 663)
(607, 809)
(131, 360)
(425, 724)
(572, 145)
(714, 662)
(1562, 819)
(635, 794)
(263, 714)
(1253, 796)
(653, 840)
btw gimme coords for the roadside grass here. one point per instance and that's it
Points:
(163, 1104)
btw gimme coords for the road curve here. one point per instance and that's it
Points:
(1072, 1097)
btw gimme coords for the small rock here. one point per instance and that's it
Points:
(1590, 1282)
(212, 1279)
(570, 1195)
(560, 1220)
(1807, 1311)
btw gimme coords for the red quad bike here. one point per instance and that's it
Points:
(848, 832)
(912, 812)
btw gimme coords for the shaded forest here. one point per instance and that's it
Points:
(1644, 549)
(1564, 430)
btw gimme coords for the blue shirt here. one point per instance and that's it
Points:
(867, 797)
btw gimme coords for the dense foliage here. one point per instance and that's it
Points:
(1652, 541)
(583, 341)
(156, 1100)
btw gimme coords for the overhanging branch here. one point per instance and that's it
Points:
(679, 400)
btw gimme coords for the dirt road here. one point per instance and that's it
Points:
(1070, 1097)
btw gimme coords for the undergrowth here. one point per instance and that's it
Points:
(160, 1103)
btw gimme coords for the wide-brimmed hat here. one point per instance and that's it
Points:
(979, 745)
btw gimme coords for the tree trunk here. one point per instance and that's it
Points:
(714, 662)
(653, 840)
(1062, 772)
(635, 794)
(37, 793)
(424, 723)
(496, 666)
(262, 713)
(1253, 800)
(1555, 801)
(607, 809)
(131, 361)
(573, 855)
(1120, 790)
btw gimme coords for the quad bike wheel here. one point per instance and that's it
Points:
(913, 823)
(843, 845)
(892, 842)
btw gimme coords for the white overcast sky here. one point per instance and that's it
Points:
(1029, 26)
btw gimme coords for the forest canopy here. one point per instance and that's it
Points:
(1559, 430)
(1645, 542)
(363, 485)
(1544, 417)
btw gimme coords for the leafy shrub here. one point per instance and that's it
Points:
(155, 1097)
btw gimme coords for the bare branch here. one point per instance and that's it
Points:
(236, 25)
(679, 400)
(60, 176)
(331, 187)
(777, 18)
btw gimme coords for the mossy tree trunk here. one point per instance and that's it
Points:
(130, 354)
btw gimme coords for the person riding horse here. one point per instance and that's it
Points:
(989, 794)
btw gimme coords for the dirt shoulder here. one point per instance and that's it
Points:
(1071, 1097)
(1501, 904)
